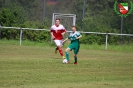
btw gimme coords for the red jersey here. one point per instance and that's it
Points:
(57, 30)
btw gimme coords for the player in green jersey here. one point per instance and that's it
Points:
(74, 45)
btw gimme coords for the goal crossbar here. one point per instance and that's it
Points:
(55, 15)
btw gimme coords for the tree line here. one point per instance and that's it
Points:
(99, 17)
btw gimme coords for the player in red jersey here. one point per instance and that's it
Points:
(57, 31)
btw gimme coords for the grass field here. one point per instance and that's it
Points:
(38, 67)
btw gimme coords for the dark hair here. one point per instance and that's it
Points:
(58, 19)
(74, 26)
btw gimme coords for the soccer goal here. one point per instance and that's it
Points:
(66, 19)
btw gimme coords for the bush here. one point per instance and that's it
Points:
(100, 39)
(33, 35)
(92, 38)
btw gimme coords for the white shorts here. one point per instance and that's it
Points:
(58, 42)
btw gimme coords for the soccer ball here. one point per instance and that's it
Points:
(64, 61)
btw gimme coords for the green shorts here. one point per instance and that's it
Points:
(75, 48)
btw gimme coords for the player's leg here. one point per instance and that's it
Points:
(56, 50)
(70, 47)
(59, 44)
(75, 58)
(61, 51)
(59, 47)
(76, 50)
(67, 54)
(56, 42)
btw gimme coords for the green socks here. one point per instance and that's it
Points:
(67, 56)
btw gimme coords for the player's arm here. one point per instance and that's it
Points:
(79, 37)
(64, 31)
(51, 32)
(52, 35)
(64, 40)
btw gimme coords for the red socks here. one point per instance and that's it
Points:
(60, 51)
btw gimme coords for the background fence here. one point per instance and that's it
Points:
(99, 33)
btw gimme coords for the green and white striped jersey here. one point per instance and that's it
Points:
(73, 36)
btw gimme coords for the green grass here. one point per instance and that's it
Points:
(36, 66)
(121, 48)
(24, 43)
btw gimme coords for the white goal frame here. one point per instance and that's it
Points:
(60, 15)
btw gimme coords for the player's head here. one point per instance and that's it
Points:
(73, 28)
(57, 21)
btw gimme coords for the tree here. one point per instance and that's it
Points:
(1, 3)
